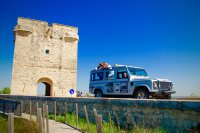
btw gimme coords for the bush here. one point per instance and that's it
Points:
(6, 90)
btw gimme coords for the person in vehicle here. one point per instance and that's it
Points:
(125, 75)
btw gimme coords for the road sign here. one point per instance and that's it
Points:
(71, 91)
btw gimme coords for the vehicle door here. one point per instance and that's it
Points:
(96, 81)
(121, 81)
(109, 79)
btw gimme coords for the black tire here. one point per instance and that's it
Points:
(141, 94)
(98, 93)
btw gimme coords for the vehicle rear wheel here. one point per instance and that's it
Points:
(141, 94)
(98, 93)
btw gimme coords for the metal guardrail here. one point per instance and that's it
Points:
(10, 106)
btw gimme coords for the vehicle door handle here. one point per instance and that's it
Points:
(116, 84)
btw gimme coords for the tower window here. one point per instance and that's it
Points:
(47, 51)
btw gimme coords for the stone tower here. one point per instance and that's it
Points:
(44, 54)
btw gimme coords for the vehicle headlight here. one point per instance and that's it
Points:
(155, 85)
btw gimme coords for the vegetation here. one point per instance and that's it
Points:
(107, 127)
(193, 95)
(20, 125)
(87, 95)
(5, 90)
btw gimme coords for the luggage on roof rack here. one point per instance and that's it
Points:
(103, 65)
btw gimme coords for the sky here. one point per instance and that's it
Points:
(162, 36)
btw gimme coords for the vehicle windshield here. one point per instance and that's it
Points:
(137, 71)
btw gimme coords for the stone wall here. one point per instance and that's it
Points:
(169, 114)
(10, 106)
(44, 54)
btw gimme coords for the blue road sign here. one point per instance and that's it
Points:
(71, 91)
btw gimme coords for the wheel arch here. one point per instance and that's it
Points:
(99, 88)
(144, 87)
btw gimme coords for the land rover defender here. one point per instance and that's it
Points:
(128, 81)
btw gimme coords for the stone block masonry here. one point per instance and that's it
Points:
(173, 115)
(44, 54)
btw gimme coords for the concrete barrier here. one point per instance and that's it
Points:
(173, 115)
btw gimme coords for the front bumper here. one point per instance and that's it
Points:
(164, 93)
(167, 92)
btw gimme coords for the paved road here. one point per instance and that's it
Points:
(54, 127)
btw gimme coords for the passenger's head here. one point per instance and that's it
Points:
(125, 75)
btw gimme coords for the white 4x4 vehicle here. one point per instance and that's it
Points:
(128, 81)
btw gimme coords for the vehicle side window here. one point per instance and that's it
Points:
(97, 76)
(138, 72)
(110, 75)
(122, 74)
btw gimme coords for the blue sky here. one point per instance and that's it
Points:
(162, 36)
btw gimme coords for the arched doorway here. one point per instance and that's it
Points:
(44, 87)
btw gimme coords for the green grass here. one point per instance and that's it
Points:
(20, 125)
(107, 127)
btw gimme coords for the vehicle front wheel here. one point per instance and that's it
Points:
(141, 94)
(98, 93)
